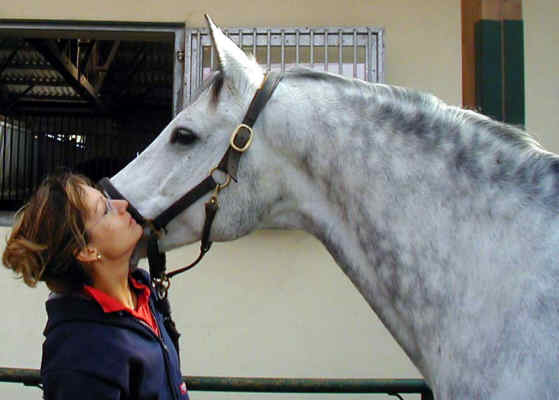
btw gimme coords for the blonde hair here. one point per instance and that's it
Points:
(48, 232)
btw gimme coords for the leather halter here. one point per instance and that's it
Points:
(240, 141)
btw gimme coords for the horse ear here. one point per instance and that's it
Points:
(236, 66)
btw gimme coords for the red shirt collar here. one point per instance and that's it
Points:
(110, 304)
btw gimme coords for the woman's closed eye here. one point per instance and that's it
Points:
(108, 205)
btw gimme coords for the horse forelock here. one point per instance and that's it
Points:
(486, 150)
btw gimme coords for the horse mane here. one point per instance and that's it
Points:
(486, 149)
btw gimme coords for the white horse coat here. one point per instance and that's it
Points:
(444, 220)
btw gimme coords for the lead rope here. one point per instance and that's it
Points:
(161, 280)
(157, 260)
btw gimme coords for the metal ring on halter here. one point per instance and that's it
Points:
(223, 184)
(158, 232)
(162, 286)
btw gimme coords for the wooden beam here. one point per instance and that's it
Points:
(87, 55)
(69, 71)
(471, 14)
(103, 70)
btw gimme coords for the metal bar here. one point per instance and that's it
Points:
(212, 61)
(35, 155)
(380, 55)
(178, 73)
(188, 63)
(374, 58)
(52, 141)
(109, 28)
(10, 163)
(325, 50)
(4, 154)
(297, 46)
(66, 144)
(28, 129)
(201, 61)
(254, 38)
(370, 59)
(269, 51)
(340, 53)
(355, 54)
(282, 50)
(31, 377)
(312, 48)
(60, 143)
(367, 51)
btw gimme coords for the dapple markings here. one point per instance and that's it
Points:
(444, 220)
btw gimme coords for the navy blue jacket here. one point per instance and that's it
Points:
(90, 354)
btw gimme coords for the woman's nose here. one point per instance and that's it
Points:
(120, 205)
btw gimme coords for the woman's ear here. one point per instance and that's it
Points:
(86, 255)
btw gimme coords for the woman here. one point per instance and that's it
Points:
(104, 337)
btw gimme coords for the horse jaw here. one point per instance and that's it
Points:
(241, 72)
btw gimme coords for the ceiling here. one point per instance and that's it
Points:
(96, 76)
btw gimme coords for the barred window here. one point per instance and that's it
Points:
(350, 51)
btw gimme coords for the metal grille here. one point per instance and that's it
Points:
(34, 145)
(356, 52)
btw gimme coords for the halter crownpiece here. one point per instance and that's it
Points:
(240, 141)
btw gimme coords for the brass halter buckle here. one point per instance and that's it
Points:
(234, 136)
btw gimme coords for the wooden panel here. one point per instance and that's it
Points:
(471, 14)
(501, 9)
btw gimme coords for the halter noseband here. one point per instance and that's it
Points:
(240, 141)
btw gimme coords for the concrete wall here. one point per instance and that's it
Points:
(542, 65)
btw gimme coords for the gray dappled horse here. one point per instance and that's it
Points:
(445, 220)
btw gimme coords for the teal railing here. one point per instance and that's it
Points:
(394, 387)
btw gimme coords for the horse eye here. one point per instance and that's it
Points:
(183, 136)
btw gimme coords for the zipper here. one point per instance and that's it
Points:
(164, 347)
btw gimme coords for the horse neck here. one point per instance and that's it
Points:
(413, 227)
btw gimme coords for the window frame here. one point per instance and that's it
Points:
(305, 37)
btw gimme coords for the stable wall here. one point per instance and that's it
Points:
(541, 74)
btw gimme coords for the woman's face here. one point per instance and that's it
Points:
(112, 230)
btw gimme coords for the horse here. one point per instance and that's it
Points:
(444, 220)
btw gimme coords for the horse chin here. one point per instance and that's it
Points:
(140, 251)
(170, 242)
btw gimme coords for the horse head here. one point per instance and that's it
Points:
(193, 143)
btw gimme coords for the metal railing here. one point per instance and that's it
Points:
(33, 145)
(356, 52)
(394, 387)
